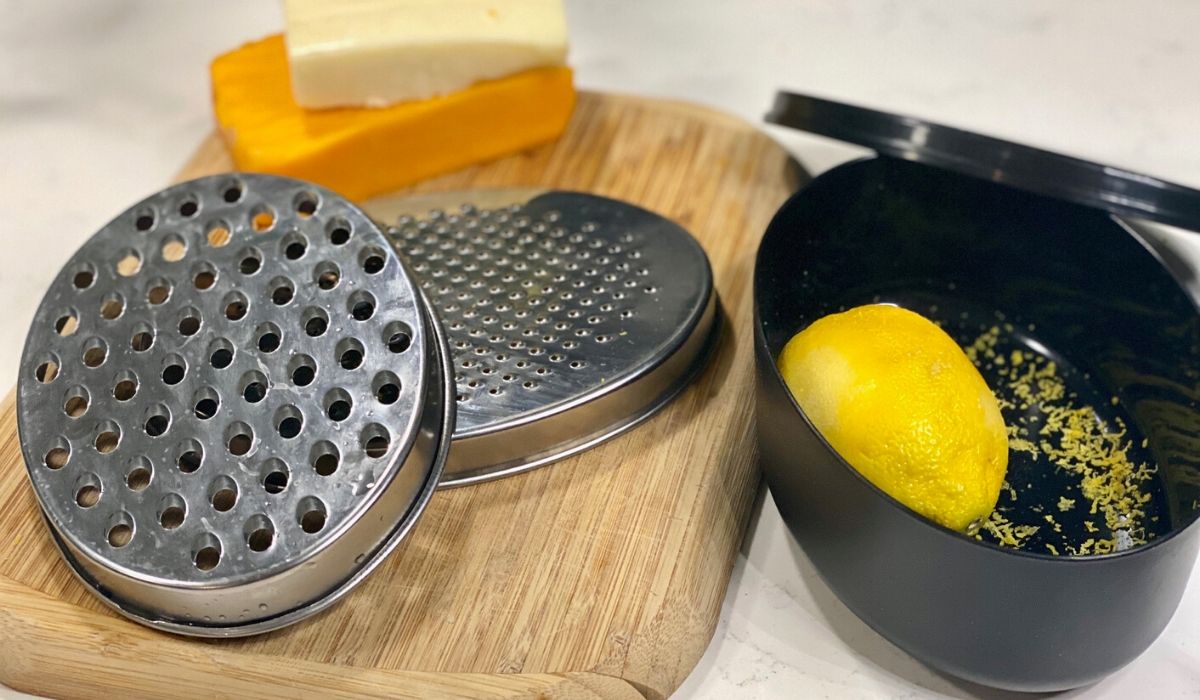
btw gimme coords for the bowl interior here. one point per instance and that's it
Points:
(1024, 281)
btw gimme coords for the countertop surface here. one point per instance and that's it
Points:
(100, 103)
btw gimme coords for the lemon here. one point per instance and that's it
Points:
(899, 400)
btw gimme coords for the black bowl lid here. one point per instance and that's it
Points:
(1105, 187)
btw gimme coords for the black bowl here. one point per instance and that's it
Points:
(1077, 286)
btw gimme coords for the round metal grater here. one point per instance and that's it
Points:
(233, 403)
(571, 317)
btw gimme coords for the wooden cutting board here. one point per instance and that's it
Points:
(599, 576)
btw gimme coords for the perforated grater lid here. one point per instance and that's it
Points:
(571, 317)
(233, 403)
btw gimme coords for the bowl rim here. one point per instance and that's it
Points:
(764, 351)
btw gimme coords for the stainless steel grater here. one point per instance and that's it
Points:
(233, 403)
(571, 317)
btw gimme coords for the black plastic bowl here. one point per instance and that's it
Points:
(1096, 298)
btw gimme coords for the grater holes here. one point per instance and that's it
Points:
(126, 386)
(129, 263)
(220, 353)
(143, 219)
(361, 305)
(158, 420)
(204, 276)
(223, 494)
(339, 231)
(95, 352)
(108, 437)
(316, 321)
(174, 248)
(87, 490)
(305, 204)
(172, 511)
(294, 245)
(76, 401)
(139, 474)
(376, 440)
(338, 404)
(236, 306)
(142, 338)
(274, 476)
(283, 290)
(288, 421)
(324, 458)
(386, 387)
(259, 532)
(218, 234)
(189, 456)
(262, 218)
(112, 306)
(205, 403)
(249, 260)
(268, 337)
(67, 323)
(349, 353)
(239, 439)
(231, 191)
(253, 386)
(206, 552)
(174, 370)
(171, 517)
(164, 293)
(372, 260)
(302, 369)
(84, 276)
(189, 322)
(327, 275)
(120, 530)
(58, 455)
(311, 514)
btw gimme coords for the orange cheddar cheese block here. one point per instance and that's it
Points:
(360, 152)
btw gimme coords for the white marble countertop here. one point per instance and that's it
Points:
(100, 103)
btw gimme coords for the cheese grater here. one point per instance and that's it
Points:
(235, 401)
(232, 405)
(571, 317)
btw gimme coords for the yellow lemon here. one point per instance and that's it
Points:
(899, 400)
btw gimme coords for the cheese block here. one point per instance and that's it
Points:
(379, 52)
(362, 152)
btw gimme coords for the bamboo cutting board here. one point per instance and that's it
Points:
(599, 576)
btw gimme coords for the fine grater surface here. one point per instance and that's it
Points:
(232, 404)
(571, 317)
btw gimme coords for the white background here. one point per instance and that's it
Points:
(101, 102)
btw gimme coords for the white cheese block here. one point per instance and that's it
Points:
(378, 52)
